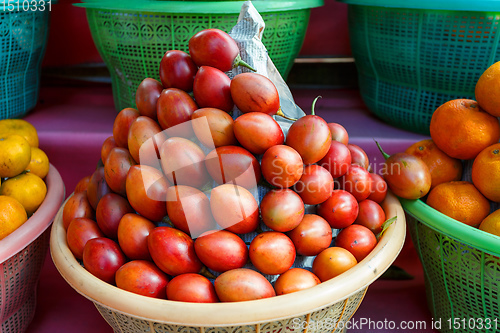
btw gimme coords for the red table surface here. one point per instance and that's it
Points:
(73, 122)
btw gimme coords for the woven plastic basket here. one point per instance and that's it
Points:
(132, 37)
(23, 37)
(412, 56)
(22, 254)
(325, 307)
(462, 270)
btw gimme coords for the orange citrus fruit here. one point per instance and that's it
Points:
(39, 164)
(27, 188)
(15, 155)
(487, 91)
(442, 167)
(20, 127)
(461, 128)
(491, 223)
(486, 172)
(12, 215)
(461, 201)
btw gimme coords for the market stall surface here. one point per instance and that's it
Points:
(74, 120)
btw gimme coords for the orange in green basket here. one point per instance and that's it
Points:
(442, 167)
(461, 128)
(12, 215)
(491, 223)
(461, 201)
(487, 90)
(486, 172)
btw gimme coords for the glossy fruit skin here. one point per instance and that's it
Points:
(340, 209)
(358, 156)
(121, 125)
(97, 187)
(211, 89)
(407, 176)
(282, 166)
(295, 279)
(177, 70)
(173, 251)
(183, 162)
(213, 47)
(242, 284)
(213, 127)
(133, 232)
(310, 137)
(234, 165)
(81, 230)
(77, 206)
(282, 209)
(379, 188)
(102, 257)
(110, 211)
(252, 92)
(142, 277)
(189, 210)
(82, 184)
(357, 239)
(116, 167)
(257, 132)
(339, 133)
(174, 108)
(107, 146)
(337, 159)
(146, 191)
(311, 236)
(315, 185)
(332, 262)
(234, 208)
(371, 215)
(357, 181)
(144, 138)
(272, 252)
(146, 96)
(191, 287)
(221, 250)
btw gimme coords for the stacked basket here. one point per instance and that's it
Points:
(23, 37)
(414, 55)
(132, 36)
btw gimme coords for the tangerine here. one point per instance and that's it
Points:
(27, 188)
(442, 167)
(491, 223)
(487, 90)
(20, 127)
(39, 164)
(460, 200)
(12, 215)
(15, 155)
(486, 172)
(461, 128)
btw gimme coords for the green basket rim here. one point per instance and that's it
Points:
(452, 228)
(200, 7)
(460, 5)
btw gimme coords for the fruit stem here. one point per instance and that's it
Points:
(386, 156)
(239, 62)
(281, 114)
(314, 105)
(206, 273)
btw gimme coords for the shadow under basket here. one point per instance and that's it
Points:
(325, 307)
(461, 269)
(133, 36)
(22, 254)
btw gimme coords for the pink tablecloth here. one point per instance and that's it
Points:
(74, 121)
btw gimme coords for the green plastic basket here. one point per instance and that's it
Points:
(412, 56)
(23, 37)
(132, 37)
(462, 270)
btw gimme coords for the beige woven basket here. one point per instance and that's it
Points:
(326, 307)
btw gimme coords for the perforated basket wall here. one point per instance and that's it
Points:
(461, 281)
(18, 285)
(23, 37)
(410, 61)
(133, 43)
